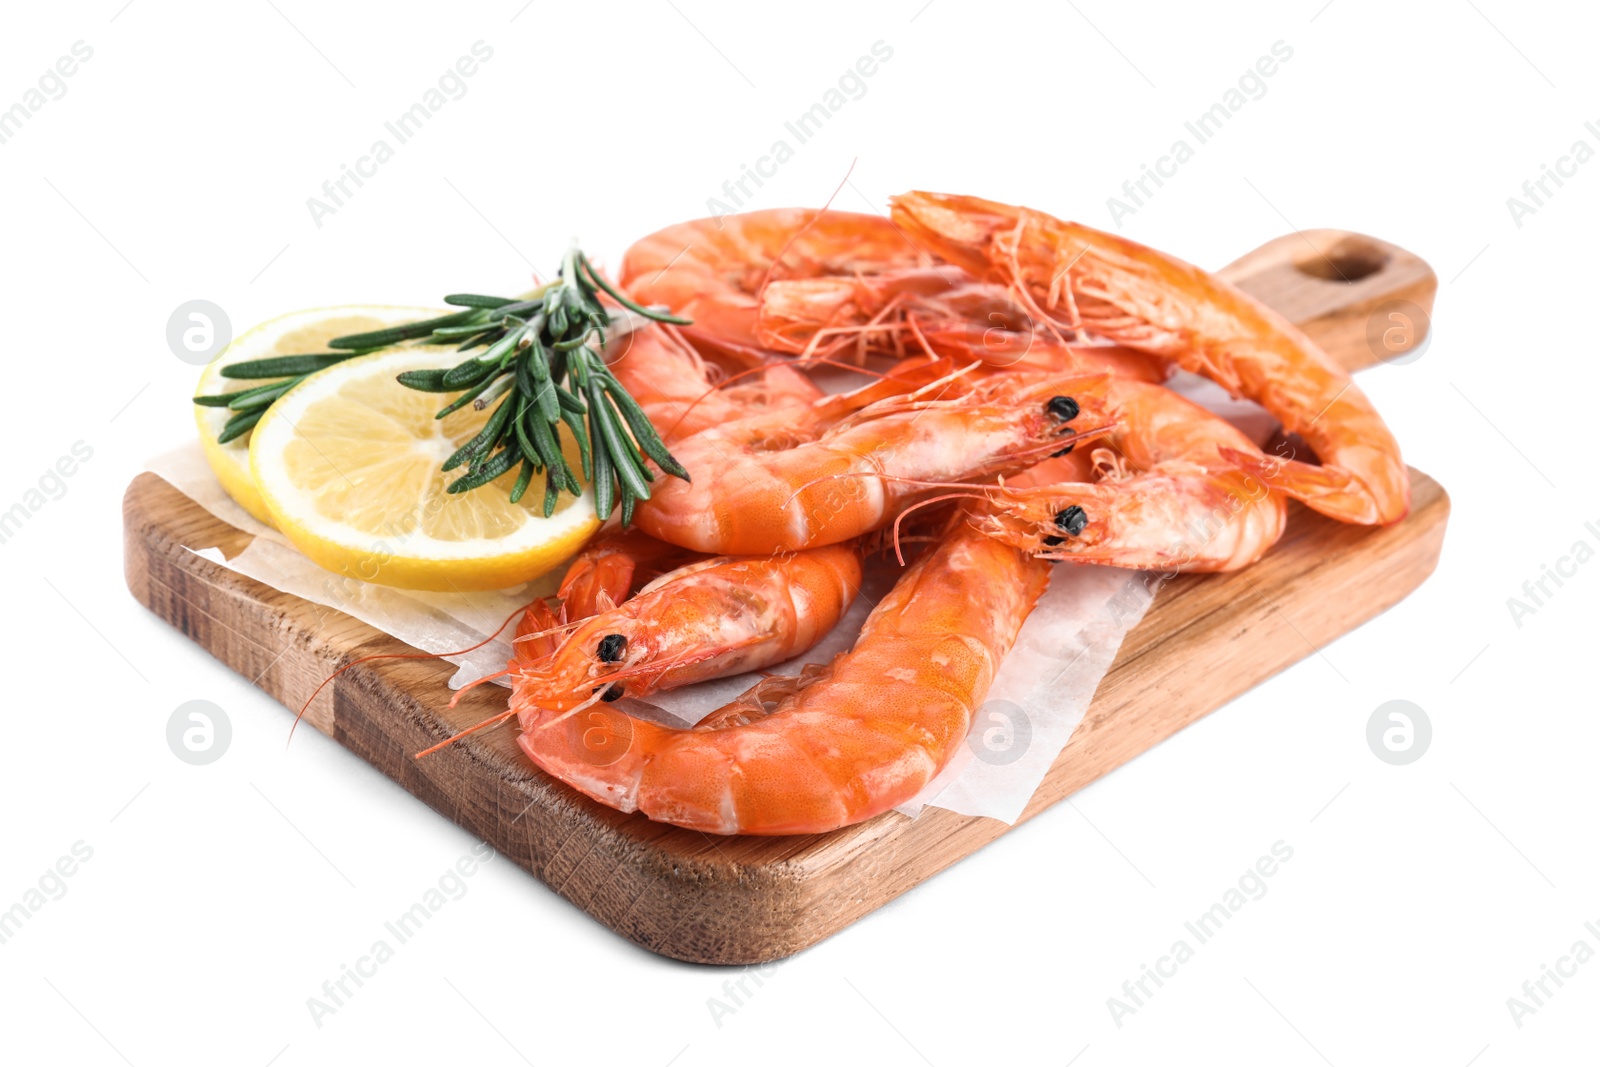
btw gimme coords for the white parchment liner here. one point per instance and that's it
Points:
(1038, 698)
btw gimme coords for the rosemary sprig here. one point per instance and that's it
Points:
(537, 363)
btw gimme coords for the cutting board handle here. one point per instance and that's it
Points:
(1363, 300)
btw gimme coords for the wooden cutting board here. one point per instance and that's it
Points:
(746, 899)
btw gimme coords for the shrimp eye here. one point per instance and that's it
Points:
(614, 693)
(1063, 408)
(1064, 451)
(1072, 520)
(611, 647)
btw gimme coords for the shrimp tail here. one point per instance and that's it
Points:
(1334, 492)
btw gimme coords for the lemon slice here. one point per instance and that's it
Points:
(298, 333)
(348, 466)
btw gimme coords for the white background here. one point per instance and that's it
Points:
(219, 898)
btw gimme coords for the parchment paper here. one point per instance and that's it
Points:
(1038, 698)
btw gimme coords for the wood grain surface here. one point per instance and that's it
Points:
(734, 900)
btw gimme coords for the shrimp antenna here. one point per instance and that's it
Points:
(1044, 448)
(766, 279)
(543, 633)
(900, 556)
(916, 330)
(407, 655)
(898, 404)
(492, 720)
(761, 369)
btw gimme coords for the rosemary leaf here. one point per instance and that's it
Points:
(284, 366)
(474, 300)
(552, 493)
(456, 333)
(523, 426)
(523, 478)
(426, 381)
(502, 461)
(219, 400)
(643, 431)
(555, 461)
(262, 397)
(571, 402)
(239, 425)
(605, 486)
(599, 279)
(467, 397)
(520, 307)
(473, 342)
(629, 472)
(484, 440)
(396, 334)
(579, 434)
(465, 373)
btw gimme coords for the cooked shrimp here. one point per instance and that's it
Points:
(1167, 499)
(714, 271)
(706, 620)
(797, 478)
(808, 283)
(844, 742)
(1080, 278)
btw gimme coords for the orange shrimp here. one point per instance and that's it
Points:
(709, 619)
(1076, 277)
(715, 270)
(835, 746)
(798, 478)
(807, 283)
(1167, 499)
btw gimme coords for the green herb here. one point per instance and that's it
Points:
(538, 364)
(250, 404)
(536, 361)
